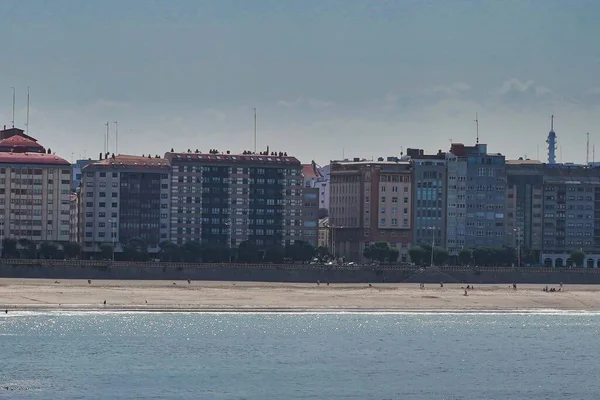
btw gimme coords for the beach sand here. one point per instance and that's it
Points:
(36, 294)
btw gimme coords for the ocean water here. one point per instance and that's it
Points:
(299, 356)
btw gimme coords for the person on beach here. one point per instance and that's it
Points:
(466, 294)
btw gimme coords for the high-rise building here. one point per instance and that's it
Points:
(485, 195)
(370, 202)
(34, 190)
(456, 203)
(122, 198)
(524, 206)
(228, 199)
(429, 197)
(571, 214)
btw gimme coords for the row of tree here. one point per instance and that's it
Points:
(381, 252)
(484, 256)
(25, 248)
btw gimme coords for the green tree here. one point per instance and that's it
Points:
(71, 250)
(190, 252)
(135, 250)
(300, 251)
(578, 257)
(417, 255)
(106, 251)
(465, 256)
(275, 254)
(247, 252)
(440, 255)
(322, 253)
(215, 252)
(49, 250)
(9, 248)
(28, 249)
(379, 251)
(393, 255)
(169, 251)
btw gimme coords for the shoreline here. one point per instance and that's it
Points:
(296, 311)
(268, 297)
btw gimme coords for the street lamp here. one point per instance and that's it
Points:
(230, 225)
(432, 243)
(517, 239)
(113, 235)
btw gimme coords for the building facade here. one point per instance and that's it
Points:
(228, 199)
(485, 195)
(524, 206)
(429, 197)
(370, 202)
(35, 189)
(124, 198)
(456, 203)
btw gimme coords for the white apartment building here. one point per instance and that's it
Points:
(125, 197)
(34, 190)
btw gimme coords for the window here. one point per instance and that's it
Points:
(102, 174)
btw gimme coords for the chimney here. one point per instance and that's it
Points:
(100, 156)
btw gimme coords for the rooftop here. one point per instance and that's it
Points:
(232, 158)
(310, 171)
(524, 162)
(130, 161)
(32, 158)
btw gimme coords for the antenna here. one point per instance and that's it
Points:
(254, 130)
(27, 119)
(587, 149)
(106, 139)
(116, 137)
(538, 152)
(477, 126)
(13, 106)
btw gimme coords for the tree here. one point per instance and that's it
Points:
(189, 252)
(300, 251)
(578, 257)
(169, 252)
(275, 254)
(106, 251)
(247, 252)
(440, 255)
(214, 252)
(322, 253)
(417, 255)
(49, 250)
(28, 248)
(9, 248)
(71, 249)
(135, 250)
(465, 256)
(393, 255)
(379, 251)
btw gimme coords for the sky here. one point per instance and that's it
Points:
(328, 78)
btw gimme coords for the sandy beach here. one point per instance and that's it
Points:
(36, 294)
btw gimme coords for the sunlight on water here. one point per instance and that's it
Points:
(330, 355)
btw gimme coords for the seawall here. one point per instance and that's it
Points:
(292, 273)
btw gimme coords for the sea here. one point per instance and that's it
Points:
(293, 356)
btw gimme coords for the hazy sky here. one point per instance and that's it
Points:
(363, 78)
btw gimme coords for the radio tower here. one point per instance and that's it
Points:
(551, 143)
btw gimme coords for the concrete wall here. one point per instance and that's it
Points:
(309, 274)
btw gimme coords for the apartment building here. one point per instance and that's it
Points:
(370, 201)
(571, 213)
(456, 203)
(485, 195)
(524, 205)
(317, 177)
(34, 190)
(429, 197)
(122, 198)
(227, 198)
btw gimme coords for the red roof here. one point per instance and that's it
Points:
(32, 158)
(20, 141)
(310, 171)
(232, 158)
(129, 161)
